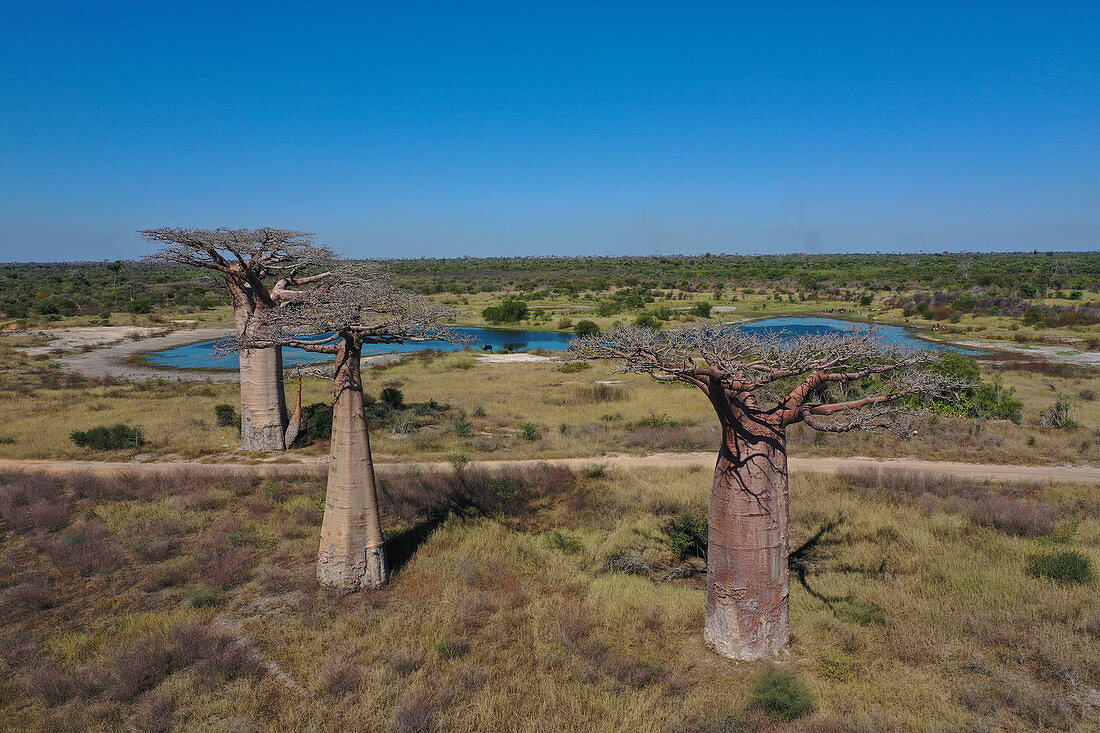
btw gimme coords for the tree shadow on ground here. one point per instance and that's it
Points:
(800, 563)
(401, 547)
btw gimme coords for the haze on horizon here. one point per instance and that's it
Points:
(443, 129)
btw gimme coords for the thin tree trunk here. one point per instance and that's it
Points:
(263, 401)
(351, 555)
(747, 591)
(294, 425)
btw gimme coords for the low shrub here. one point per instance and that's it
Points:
(567, 543)
(461, 426)
(414, 714)
(530, 431)
(586, 328)
(393, 397)
(1068, 566)
(154, 713)
(1060, 415)
(340, 676)
(85, 549)
(116, 437)
(572, 367)
(316, 421)
(225, 415)
(687, 534)
(781, 695)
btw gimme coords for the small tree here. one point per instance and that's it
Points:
(759, 384)
(356, 306)
(262, 269)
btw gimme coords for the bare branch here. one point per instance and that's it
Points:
(856, 371)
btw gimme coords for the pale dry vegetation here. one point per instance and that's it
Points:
(573, 413)
(534, 600)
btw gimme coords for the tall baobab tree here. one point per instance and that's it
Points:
(759, 384)
(355, 307)
(262, 269)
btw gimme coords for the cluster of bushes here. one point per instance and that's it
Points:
(983, 400)
(512, 310)
(115, 437)
(940, 306)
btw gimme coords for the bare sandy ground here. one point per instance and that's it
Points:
(511, 358)
(1061, 354)
(71, 339)
(319, 466)
(110, 361)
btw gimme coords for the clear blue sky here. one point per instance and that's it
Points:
(444, 129)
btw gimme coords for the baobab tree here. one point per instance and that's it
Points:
(759, 384)
(262, 269)
(354, 307)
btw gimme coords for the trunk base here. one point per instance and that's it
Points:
(261, 438)
(351, 574)
(741, 630)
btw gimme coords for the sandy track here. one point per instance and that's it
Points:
(981, 471)
(110, 361)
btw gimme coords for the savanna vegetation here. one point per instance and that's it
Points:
(539, 599)
(1038, 297)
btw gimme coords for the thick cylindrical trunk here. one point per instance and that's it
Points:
(263, 401)
(747, 592)
(351, 555)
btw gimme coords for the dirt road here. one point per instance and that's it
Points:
(318, 467)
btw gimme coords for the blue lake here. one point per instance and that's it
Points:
(198, 355)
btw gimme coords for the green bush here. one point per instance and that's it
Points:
(647, 320)
(393, 397)
(781, 695)
(225, 415)
(687, 534)
(1060, 415)
(701, 309)
(530, 431)
(567, 543)
(461, 426)
(116, 437)
(317, 421)
(1068, 566)
(511, 310)
(205, 597)
(586, 328)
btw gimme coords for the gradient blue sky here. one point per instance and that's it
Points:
(445, 129)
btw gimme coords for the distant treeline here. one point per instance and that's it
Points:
(1003, 283)
(52, 290)
(1021, 274)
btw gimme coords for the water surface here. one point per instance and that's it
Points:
(200, 355)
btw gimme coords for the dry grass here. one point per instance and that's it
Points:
(586, 413)
(920, 617)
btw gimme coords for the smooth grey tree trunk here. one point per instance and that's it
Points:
(351, 555)
(263, 399)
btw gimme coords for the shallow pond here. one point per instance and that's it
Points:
(199, 355)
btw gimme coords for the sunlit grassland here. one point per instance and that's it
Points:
(514, 410)
(929, 622)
